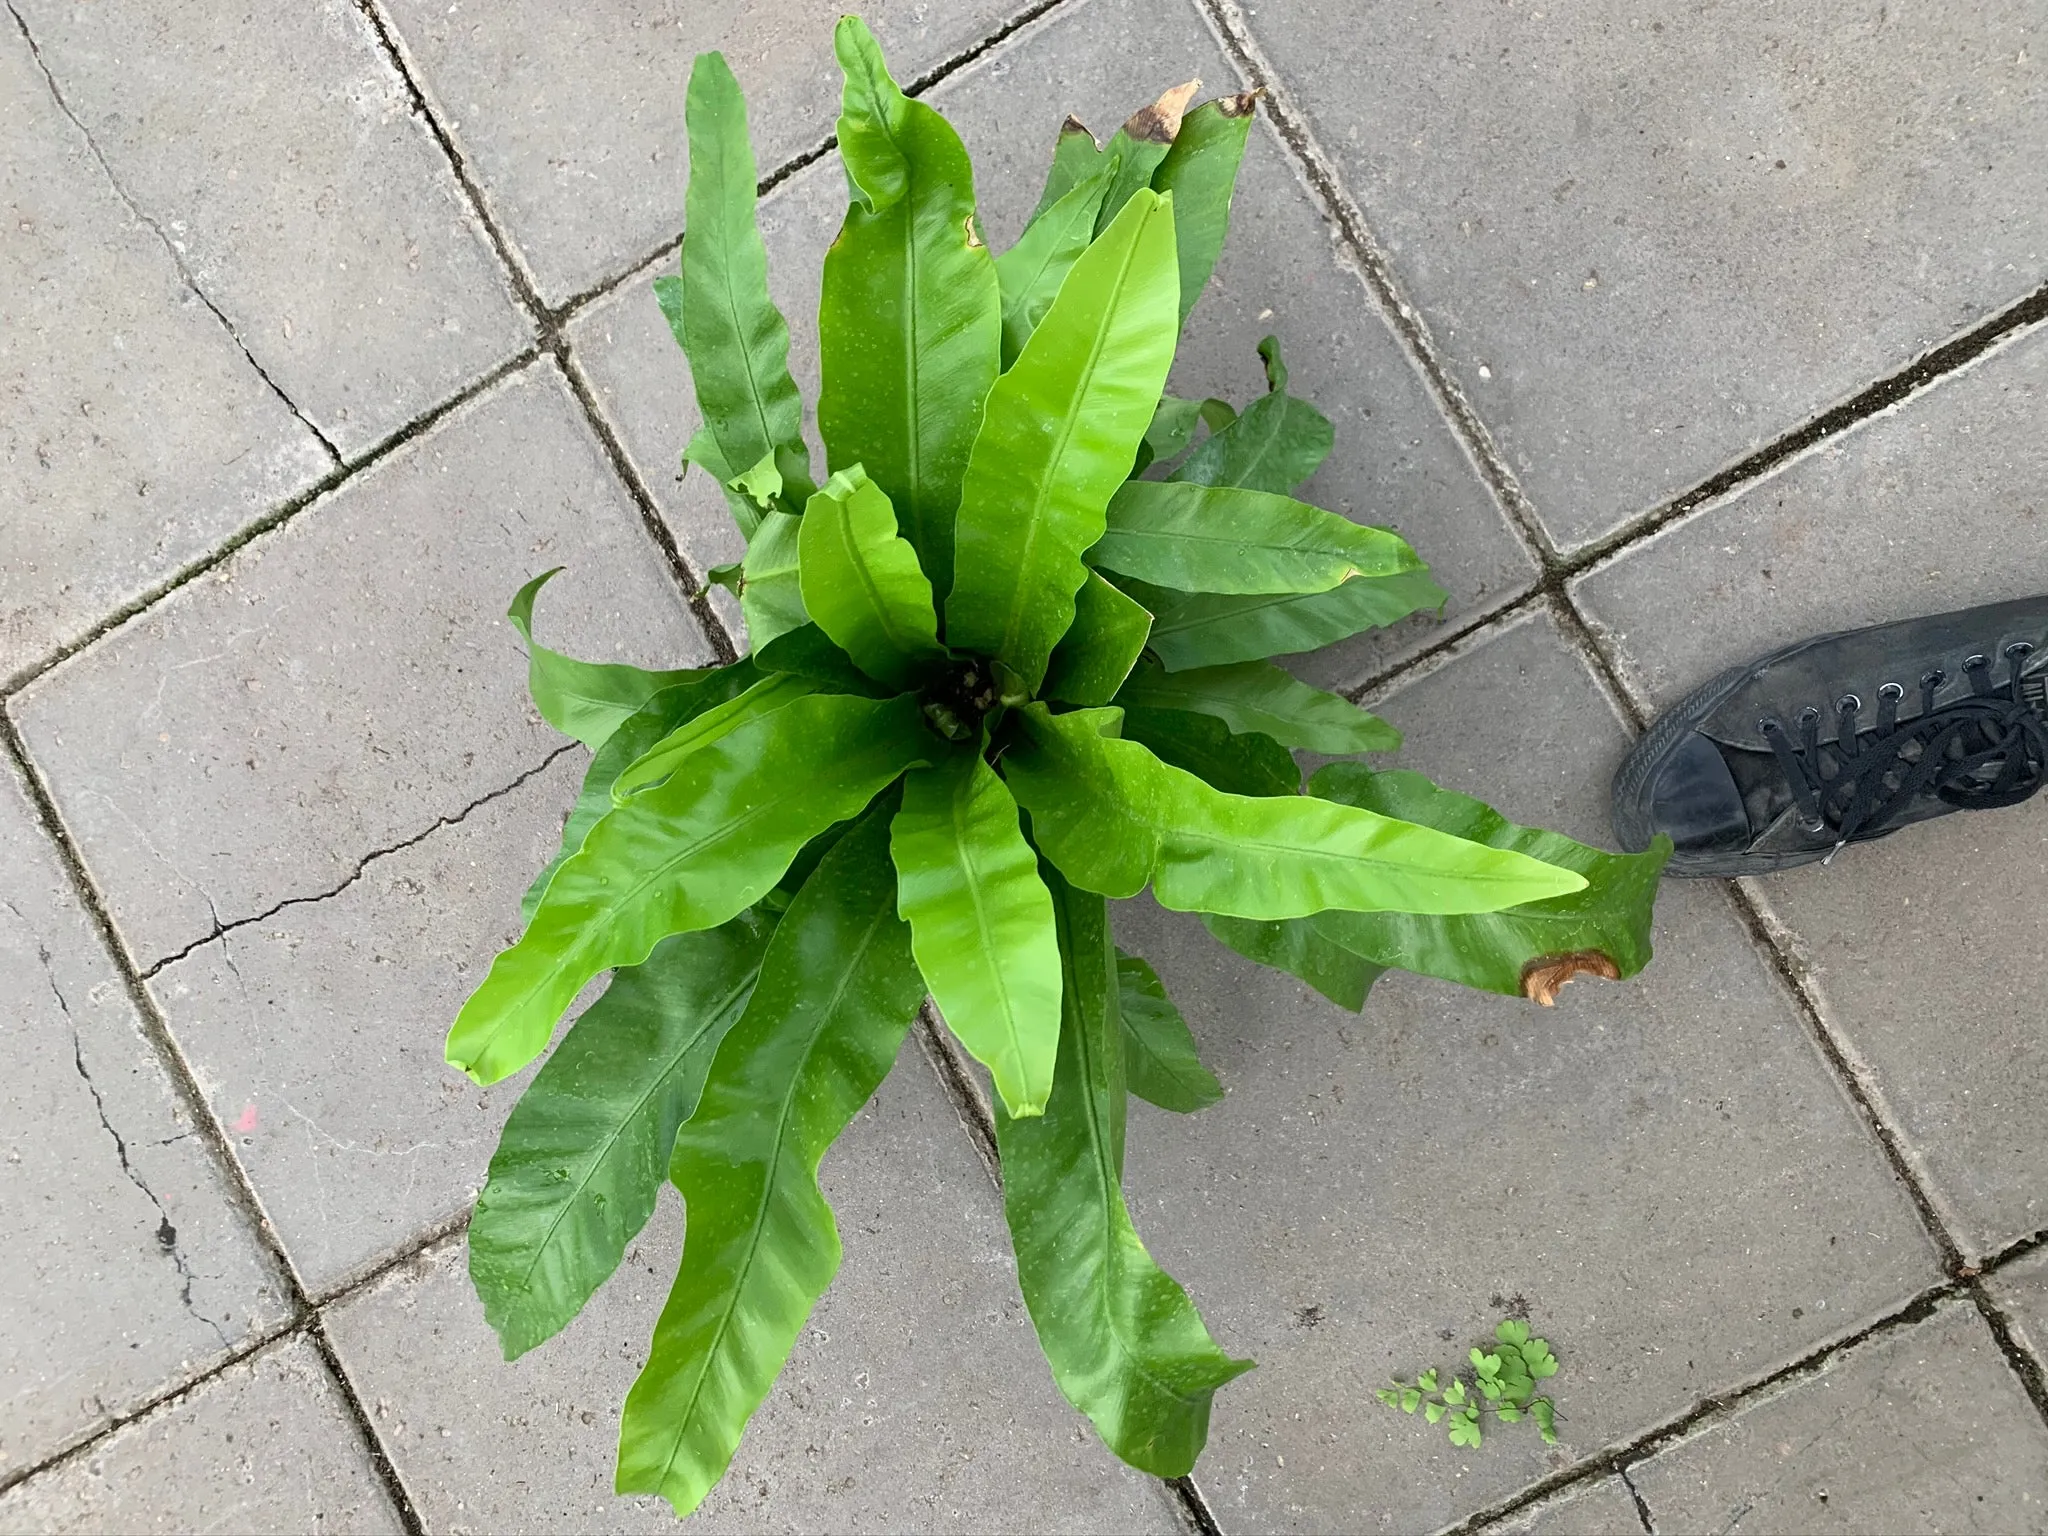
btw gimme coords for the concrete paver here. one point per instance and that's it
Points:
(101, 342)
(1937, 504)
(309, 203)
(318, 1031)
(572, 116)
(1663, 1170)
(916, 1400)
(1924, 1428)
(340, 685)
(1651, 239)
(264, 1446)
(128, 1268)
(1602, 1508)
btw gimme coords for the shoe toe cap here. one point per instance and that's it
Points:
(1694, 800)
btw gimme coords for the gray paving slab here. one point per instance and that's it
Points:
(340, 685)
(1663, 1171)
(1600, 1508)
(317, 1034)
(129, 1268)
(1649, 240)
(571, 117)
(1936, 505)
(135, 435)
(264, 1446)
(1396, 462)
(1924, 1428)
(916, 1400)
(307, 200)
(2020, 1291)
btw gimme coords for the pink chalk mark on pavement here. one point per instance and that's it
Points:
(246, 1121)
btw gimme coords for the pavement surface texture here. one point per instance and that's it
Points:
(1667, 334)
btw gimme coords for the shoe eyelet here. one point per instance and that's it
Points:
(2018, 649)
(1891, 691)
(1848, 704)
(1976, 661)
(1769, 727)
(1934, 679)
(1808, 715)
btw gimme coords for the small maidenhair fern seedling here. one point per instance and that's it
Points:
(1008, 659)
(1502, 1382)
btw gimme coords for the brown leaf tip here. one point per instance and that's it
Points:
(1242, 105)
(1158, 123)
(1074, 125)
(1545, 976)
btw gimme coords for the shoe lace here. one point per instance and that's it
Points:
(1985, 750)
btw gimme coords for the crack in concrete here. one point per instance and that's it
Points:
(170, 246)
(166, 1229)
(222, 929)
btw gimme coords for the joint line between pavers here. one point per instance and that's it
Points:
(1895, 389)
(696, 591)
(222, 929)
(269, 522)
(1706, 1412)
(957, 1081)
(804, 158)
(251, 1346)
(387, 39)
(548, 323)
(1228, 22)
(1642, 1505)
(166, 1231)
(141, 217)
(156, 1029)
(2022, 1362)
(1192, 1505)
(382, 1463)
(1772, 948)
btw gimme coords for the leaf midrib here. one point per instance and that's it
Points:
(905, 646)
(878, 102)
(1043, 494)
(1240, 716)
(1143, 1044)
(1301, 851)
(988, 946)
(826, 1017)
(728, 284)
(724, 832)
(1109, 1195)
(604, 1147)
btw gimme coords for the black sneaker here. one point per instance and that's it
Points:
(1844, 738)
